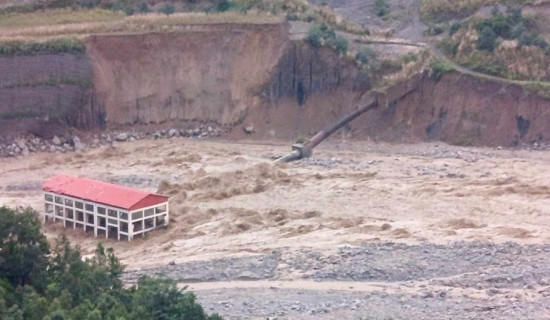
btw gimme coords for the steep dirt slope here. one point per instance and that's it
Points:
(53, 87)
(206, 74)
(461, 109)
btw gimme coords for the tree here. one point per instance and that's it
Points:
(487, 40)
(315, 36)
(381, 8)
(143, 7)
(364, 55)
(225, 5)
(23, 248)
(341, 44)
(167, 9)
(72, 288)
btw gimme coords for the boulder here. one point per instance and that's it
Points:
(249, 129)
(122, 136)
(57, 141)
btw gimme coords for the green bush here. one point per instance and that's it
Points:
(448, 46)
(36, 285)
(530, 39)
(315, 36)
(433, 30)
(381, 8)
(364, 55)
(225, 5)
(143, 7)
(167, 9)
(487, 40)
(439, 68)
(409, 57)
(454, 28)
(55, 46)
(340, 44)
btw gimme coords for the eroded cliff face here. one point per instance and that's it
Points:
(206, 75)
(241, 75)
(40, 92)
(461, 109)
(307, 90)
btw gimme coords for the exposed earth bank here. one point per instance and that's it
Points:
(238, 76)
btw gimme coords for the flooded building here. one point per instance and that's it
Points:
(106, 209)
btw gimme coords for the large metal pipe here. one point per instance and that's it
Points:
(325, 133)
(305, 150)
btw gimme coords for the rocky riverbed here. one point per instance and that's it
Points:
(462, 280)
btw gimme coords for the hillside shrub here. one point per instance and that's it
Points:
(381, 8)
(487, 40)
(224, 5)
(531, 39)
(364, 55)
(143, 7)
(439, 68)
(454, 28)
(54, 46)
(167, 9)
(340, 44)
(315, 36)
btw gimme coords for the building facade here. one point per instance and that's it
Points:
(103, 208)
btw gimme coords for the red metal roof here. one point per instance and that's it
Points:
(102, 192)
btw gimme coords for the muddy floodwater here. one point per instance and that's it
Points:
(436, 227)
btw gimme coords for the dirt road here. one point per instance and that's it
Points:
(433, 217)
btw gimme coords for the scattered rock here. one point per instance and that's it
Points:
(122, 136)
(56, 141)
(249, 129)
(172, 133)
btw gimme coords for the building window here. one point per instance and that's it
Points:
(137, 215)
(89, 207)
(79, 205)
(48, 197)
(101, 211)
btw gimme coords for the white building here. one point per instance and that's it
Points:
(104, 208)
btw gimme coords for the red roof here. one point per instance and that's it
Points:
(102, 192)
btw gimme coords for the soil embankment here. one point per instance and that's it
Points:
(247, 75)
(463, 110)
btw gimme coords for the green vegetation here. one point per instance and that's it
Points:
(381, 8)
(315, 36)
(53, 46)
(37, 282)
(439, 68)
(454, 28)
(439, 10)
(541, 89)
(508, 45)
(409, 57)
(340, 44)
(167, 9)
(322, 35)
(487, 39)
(57, 17)
(364, 55)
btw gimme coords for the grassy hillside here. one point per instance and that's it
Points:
(507, 38)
